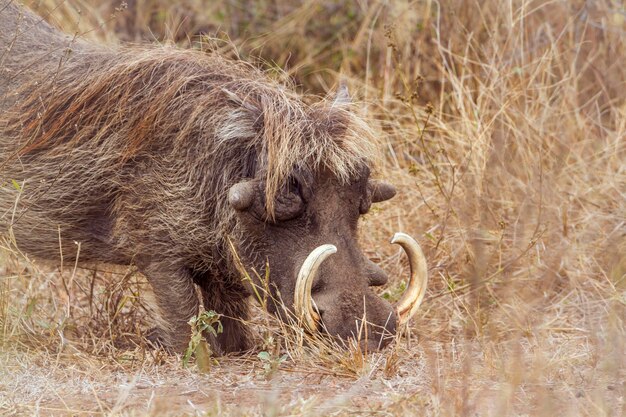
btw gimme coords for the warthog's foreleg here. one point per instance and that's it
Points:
(177, 301)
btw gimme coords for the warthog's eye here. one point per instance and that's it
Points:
(289, 202)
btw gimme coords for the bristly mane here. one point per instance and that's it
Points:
(139, 101)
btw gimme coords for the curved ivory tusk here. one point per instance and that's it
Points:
(410, 301)
(303, 301)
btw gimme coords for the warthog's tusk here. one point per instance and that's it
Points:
(303, 301)
(410, 301)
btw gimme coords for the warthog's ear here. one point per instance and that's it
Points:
(241, 195)
(380, 190)
(377, 191)
(342, 96)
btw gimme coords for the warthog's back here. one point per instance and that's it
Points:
(34, 195)
(28, 46)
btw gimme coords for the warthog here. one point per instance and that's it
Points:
(183, 162)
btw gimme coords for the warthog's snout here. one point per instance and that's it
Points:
(327, 311)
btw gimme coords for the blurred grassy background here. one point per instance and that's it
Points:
(503, 125)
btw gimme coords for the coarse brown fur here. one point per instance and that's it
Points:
(131, 152)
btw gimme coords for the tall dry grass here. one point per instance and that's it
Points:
(503, 125)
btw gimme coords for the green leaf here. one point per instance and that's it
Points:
(187, 355)
(16, 185)
(204, 358)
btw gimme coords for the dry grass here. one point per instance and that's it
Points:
(503, 124)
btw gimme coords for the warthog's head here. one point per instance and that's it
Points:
(307, 235)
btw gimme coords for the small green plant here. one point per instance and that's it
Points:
(393, 293)
(271, 363)
(205, 322)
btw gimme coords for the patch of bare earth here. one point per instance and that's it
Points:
(433, 379)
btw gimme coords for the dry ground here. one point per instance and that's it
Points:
(503, 125)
